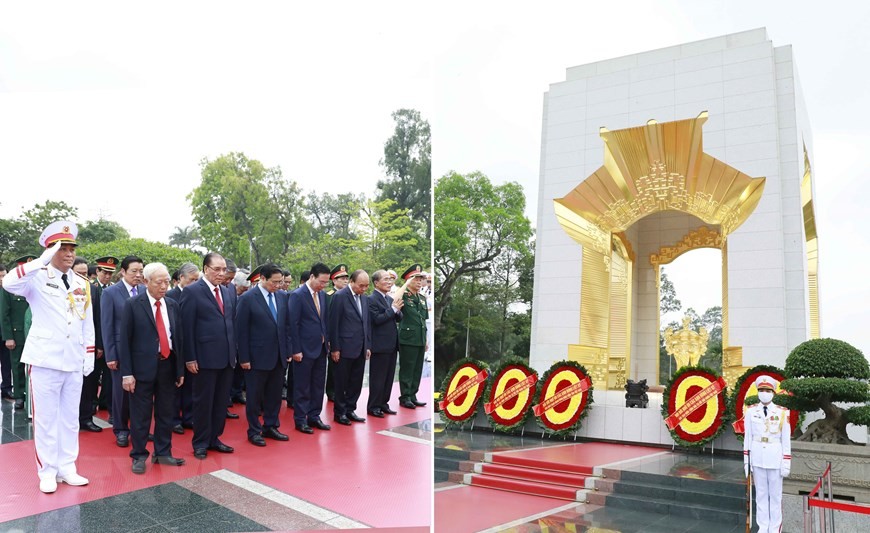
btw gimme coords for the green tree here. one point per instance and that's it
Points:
(101, 230)
(334, 214)
(149, 251)
(475, 222)
(669, 301)
(408, 164)
(821, 372)
(185, 237)
(21, 236)
(246, 211)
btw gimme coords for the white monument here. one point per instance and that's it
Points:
(645, 157)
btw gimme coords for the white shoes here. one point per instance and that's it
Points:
(71, 479)
(47, 485)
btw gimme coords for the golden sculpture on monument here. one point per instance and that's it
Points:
(686, 345)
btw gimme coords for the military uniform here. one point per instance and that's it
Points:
(412, 342)
(767, 453)
(60, 351)
(12, 310)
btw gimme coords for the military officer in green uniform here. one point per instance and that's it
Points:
(412, 338)
(339, 277)
(12, 309)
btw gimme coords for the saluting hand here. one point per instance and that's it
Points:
(49, 252)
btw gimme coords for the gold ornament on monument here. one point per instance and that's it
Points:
(686, 345)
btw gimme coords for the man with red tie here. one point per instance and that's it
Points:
(207, 316)
(152, 365)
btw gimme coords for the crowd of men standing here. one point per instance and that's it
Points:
(177, 349)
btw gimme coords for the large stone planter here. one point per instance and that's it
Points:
(850, 469)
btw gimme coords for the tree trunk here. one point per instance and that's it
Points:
(831, 429)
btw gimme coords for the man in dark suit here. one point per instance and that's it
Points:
(350, 345)
(339, 277)
(262, 325)
(187, 273)
(309, 337)
(111, 309)
(105, 268)
(385, 314)
(207, 313)
(152, 365)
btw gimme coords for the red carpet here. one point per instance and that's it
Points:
(379, 480)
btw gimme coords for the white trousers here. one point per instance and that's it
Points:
(768, 499)
(55, 397)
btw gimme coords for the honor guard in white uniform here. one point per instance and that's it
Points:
(767, 454)
(59, 350)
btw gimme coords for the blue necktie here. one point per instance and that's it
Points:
(272, 308)
(134, 291)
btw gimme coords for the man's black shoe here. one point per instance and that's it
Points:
(19, 403)
(273, 433)
(343, 420)
(90, 426)
(386, 409)
(408, 404)
(167, 460)
(187, 425)
(239, 399)
(319, 425)
(139, 465)
(355, 418)
(178, 429)
(122, 441)
(232, 415)
(221, 447)
(257, 440)
(200, 453)
(419, 403)
(376, 413)
(304, 428)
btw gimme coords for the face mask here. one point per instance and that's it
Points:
(765, 396)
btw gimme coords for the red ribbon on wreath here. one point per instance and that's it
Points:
(462, 389)
(694, 403)
(511, 392)
(564, 394)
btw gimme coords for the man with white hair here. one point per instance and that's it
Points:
(152, 365)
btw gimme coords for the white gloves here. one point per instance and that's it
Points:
(49, 252)
(785, 469)
(89, 364)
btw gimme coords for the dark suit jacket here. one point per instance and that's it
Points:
(384, 320)
(140, 343)
(174, 294)
(306, 327)
(111, 308)
(209, 336)
(262, 341)
(349, 331)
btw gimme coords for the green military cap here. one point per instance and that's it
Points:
(339, 271)
(254, 276)
(413, 271)
(24, 259)
(108, 263)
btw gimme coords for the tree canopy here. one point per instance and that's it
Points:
(407, 163)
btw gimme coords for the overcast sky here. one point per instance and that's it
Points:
(495, 63)
(111, 107)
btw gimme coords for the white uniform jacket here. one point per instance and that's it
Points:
(62, 334)
(767, 438)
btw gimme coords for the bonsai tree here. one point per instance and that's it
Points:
(820, 372)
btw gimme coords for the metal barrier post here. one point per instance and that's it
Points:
(808, 516)
(822, 515)
(830, 494)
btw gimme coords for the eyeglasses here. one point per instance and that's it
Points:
(219, 270)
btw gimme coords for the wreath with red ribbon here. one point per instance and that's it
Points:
(563, 416)
(461, 401)
(741, 399)
(692, 425)
(509, 395)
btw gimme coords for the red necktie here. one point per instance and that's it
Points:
(161, 333)
(217, 294)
